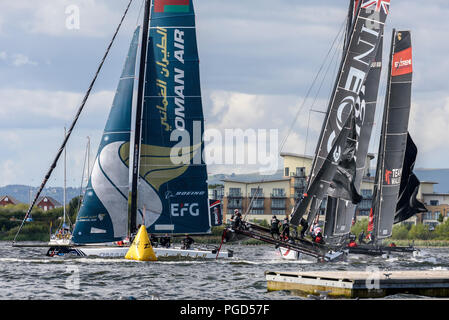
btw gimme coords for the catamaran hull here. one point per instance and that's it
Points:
(160, 252)
(288, 254)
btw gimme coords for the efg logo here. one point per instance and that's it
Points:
(183, 209)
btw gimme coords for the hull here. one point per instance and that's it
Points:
(379, 251)
(288, 254)
(120, 252)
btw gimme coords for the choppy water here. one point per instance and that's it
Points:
(26, 273)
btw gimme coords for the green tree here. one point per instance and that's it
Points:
(400, 232)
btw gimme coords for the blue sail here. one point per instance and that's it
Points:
(103, 216)
(172, 191)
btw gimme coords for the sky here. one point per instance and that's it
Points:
(258, 60)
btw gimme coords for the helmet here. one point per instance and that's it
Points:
(236, 210)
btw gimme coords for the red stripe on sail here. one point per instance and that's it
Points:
(402, 63)
(159, 5)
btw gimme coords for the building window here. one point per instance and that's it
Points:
(278, 192)
(436, 215)
(235, 192)
(278, 211)
(257, 204)
(367, 193)
(256, 192)
(429, 215)
(256, 211)
(278, 203)
(235, 203)
(287, 172)
(434, 202)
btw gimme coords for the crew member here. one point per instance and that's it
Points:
(352, 243)
(187, 242)
(362, 237)
(305, 226)
(317, 236)
(165, 241)
(154, 240)
(274, 226)
(285, 229)
(237, 219)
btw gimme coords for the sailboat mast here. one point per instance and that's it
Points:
(377, 196)
(65, 181)
(138, 127)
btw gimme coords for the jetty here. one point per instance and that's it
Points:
(361, 284)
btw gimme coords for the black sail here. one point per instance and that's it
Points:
(408, 205)
(360, 52)
(393, 139)
(318, 189)
(340, 212)
(367, 31)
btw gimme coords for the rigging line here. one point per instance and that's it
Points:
(310, 89)
(83, 103)
(320, 86)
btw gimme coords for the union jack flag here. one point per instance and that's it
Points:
(384, 4)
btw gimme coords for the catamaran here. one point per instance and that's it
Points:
(396, 186)
(342, 147)
(168, 193)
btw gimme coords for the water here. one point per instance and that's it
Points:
(26, 273)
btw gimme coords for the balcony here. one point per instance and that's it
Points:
(234, 205)
(279, 194)
(278, 204)
(234, 194)
(257, 204)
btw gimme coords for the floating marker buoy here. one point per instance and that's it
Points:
(141, 248)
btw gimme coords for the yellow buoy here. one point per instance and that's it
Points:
(141, 248)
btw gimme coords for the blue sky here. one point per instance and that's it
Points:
(257, 61)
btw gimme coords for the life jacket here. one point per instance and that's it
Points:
(318, 239)
(352, 244)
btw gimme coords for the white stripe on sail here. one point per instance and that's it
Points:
(116, 203)
(149, 200)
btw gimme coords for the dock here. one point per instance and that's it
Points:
(361, 284)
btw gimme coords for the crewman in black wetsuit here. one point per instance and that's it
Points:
(187, 242)
(165, 241)
(362, 237)
(274, 226)
(154, 240)
(285, 229)
(305, 226)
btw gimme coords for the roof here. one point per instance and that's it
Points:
(52, 200)
(435, 194)
(12, 199)
(429, 182)
(297, 155)
(259, 180)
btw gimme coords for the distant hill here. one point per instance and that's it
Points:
(22, 192)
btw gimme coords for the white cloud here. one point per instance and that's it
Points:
(22, 60)
(49, 17)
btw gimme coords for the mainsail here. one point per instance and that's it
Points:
(103, 216)
(340, 212)
(360, 52)
(394, 134)
(172, 189)
(312, 200)
(408, 205)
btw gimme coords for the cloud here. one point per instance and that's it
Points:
(22, 60)
(23, 108)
